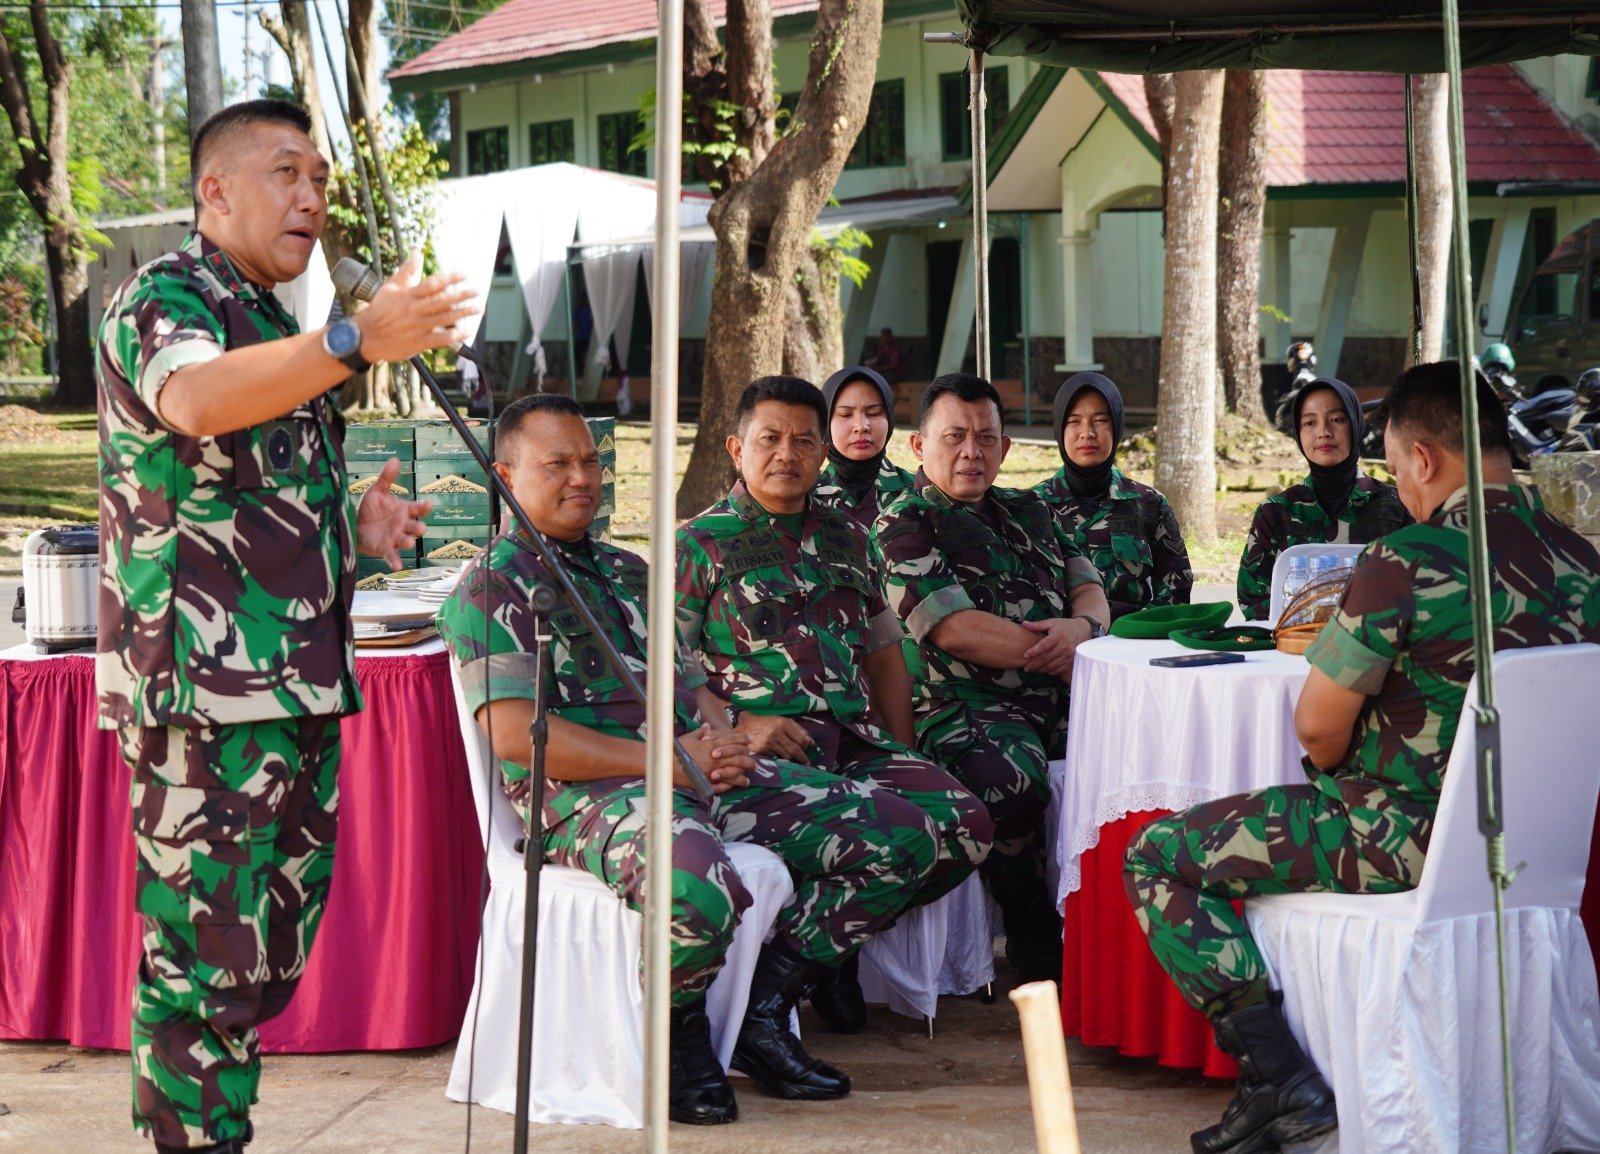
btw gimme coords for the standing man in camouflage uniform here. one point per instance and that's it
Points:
(857, 852)
(1378, 716)
(996, 599)
(779, 600)
(227, 554)
(1125, 528)
(1337, 502)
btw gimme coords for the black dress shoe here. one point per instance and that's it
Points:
(766, 1050)
(1033, 935)
(700, 1093)
(838, 1000)
(1280, 1099)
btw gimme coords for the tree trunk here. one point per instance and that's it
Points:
(362, 83)
(1186, 465)
(1242, 187)
(1433, 210)
(763, 224)
(293, 34)
(44, 180)
(799, 350)
(202, 61)
(1158, 94)
(818, 281)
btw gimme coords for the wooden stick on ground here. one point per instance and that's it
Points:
(1055, 1124)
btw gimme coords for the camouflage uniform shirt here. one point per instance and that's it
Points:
(1008, 556)
(892, 480)
(1293, 517)
(1131, 536)
(227, 562)
(1403, 633)
(495, 652)
(782, 623)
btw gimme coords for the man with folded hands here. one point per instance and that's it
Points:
(857, 852)
(780, 601)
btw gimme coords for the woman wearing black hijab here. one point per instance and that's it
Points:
(1336, 502)
(859, 480)
(1125, 528)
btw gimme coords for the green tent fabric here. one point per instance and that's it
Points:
(1360, 36)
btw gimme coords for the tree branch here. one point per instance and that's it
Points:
(749, 32)
(14, 96)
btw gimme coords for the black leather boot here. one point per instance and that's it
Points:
(1033, 934)
(766, 1050)
(838, 1000)
(700, 1093)
(1281, 1098)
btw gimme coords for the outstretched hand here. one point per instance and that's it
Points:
(387, 522)
(410, 314)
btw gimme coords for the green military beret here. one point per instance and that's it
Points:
(1225, 639)
(1157, 622)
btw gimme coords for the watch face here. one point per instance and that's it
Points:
(343, 338)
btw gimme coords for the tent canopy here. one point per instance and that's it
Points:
(1360, 36)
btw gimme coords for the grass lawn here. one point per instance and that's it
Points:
(47, 476)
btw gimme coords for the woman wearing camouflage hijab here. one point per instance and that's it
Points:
(1125, 528)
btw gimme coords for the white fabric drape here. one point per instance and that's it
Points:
(612, 207)
(468, 214)
(541, 214)
(309, 296)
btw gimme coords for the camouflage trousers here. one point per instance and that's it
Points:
(234, 830)
(857, 853)
(960, 820)
(1001, 752)
(1184, 872)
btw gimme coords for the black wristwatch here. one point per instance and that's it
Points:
(342, 341)
(1095, 628)
(733, 717)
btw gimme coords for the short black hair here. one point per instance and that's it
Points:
(508, 431)
(964, 387)
(1425, 403)
(236, 116)
(785, 391)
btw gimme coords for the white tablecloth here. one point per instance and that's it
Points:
(1146, 737)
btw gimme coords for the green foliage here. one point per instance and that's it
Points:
(722, 146)
(1277, 314)
(840, 252)
(413, 167)
(412, 30)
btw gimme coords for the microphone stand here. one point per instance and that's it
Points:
(543, 601)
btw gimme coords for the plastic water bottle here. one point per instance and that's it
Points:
(1299, 576)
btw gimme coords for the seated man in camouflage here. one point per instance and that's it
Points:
(856, 852)
(997, 599)
(780, 601)
(1377, 717)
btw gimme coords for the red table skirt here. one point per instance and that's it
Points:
(392, 967)
(1113, 993)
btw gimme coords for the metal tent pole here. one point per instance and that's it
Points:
(977, 101)
(663, 646)
(1487, 736)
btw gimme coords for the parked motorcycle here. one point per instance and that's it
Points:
(1535, 424)
(1583, 431)
(1301, 361)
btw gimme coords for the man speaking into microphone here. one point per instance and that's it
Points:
(227, 553)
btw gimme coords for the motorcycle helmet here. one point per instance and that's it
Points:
(1299, 355)
(1588, 391)
(1499, 356)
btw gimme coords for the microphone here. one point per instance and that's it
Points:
(355, 279)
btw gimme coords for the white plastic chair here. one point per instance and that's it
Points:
(588, 1047)
(1396, 996)
(945, 947)
(1347, 555)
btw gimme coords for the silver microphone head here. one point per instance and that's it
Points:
(355, 279)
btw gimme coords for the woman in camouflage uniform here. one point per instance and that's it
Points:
(859, 478)
(1125, 528)
(1337, 502)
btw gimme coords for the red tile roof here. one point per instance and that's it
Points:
(1350, 128)
(531, 29)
